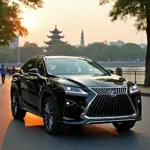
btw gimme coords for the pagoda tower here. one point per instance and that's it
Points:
(82, 39)
(55, 38)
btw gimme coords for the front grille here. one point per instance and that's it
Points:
(105, 105)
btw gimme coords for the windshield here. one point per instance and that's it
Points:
(65, 66)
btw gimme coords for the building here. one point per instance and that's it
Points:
(103, 42)
(55, 38)
(77, 46)
(82, 39)
(118, 43)
(143, 45)
(106, 42)
(15, 44)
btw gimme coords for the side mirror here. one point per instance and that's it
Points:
(33, 71)
(110, 71)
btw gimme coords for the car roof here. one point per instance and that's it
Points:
(65, 57)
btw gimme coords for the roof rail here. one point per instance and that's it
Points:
(40, 56)
(37, 56)
(85, 57)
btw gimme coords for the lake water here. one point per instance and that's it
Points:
(134, 74)
(128, 68)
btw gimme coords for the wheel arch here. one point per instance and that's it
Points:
(59, 102)
(14, 87)
(44, 94)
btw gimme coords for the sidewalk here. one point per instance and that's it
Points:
(145, 91)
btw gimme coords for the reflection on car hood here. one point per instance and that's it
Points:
(96, 81)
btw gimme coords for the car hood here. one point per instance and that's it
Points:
(94, 81)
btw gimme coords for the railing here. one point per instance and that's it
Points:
(137, 77)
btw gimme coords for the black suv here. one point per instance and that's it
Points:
(67, 90)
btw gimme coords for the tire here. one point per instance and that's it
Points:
(51, 117)
(124, 125)
(17, 112)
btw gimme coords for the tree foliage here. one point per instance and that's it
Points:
(102, 52)
(30, 45)
(122, 9)
(140, 10)
(27, 52)
(10, 20)
(7, 56)
(96, 51)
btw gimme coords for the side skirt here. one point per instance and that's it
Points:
(31, 111)
(28, 108)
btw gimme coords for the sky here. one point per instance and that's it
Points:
(71, 16)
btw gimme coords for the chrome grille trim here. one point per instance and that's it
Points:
(105, 91)
(125, 92)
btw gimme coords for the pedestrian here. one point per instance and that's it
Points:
(9, 72)
(3, 73)
(13, 70)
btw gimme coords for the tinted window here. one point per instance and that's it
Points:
(67, 66)
(40, 65)
(28, 65)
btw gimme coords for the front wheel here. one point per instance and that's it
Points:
(51, 116)
(124, 125)
(17, 112)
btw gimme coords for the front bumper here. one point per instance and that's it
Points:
(76, 113)
(86, 122)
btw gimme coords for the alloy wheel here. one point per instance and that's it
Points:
(48, 115)
(14, 104)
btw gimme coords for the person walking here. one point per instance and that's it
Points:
(9, 72)
(13, 70)
(3, 73)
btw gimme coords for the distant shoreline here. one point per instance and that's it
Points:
(121, 65)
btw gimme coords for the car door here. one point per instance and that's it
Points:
(24, 80)
(36, 83)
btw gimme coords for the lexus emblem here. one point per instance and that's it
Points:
(112, 93)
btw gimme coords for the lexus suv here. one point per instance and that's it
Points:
(67, 90)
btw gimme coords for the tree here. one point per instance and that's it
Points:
(131, 51)
(139, 9)
(27, 52)
(62, 49)
(7, 56)
(10, 20)
(30, 45)
(110, 52)
(94, 50)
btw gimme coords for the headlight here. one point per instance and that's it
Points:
(74, 90)
(134, 89)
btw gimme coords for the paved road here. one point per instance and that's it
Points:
(30, 135)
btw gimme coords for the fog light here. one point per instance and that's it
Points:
(69, 103)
